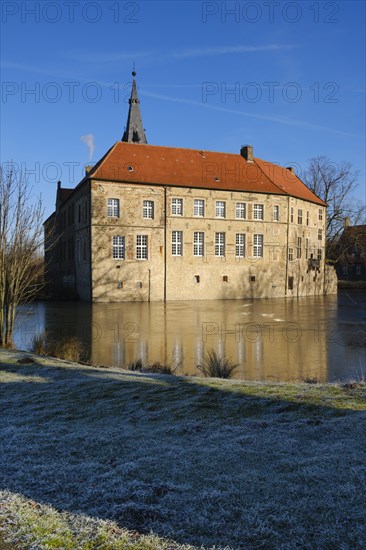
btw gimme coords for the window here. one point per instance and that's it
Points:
(196, 278)
(258, 211)
(320, 214)
(298, 248)
(299, 216)
(199, 207)
(219, 244)
(306, 248)
(240, 210)
(85, 251)
(290, 254)
(258, 246)
(240, 245)
(198, 243)
(307, 217)
(320, 234)
(276, 213)
(118, 248)
(148, 210)
(71, 249)
(225, 278)
(290, 284)
(78, 250)
(220, 209)
(141, 247)
(345, 270)
(63, 220)
(292, 214)
(79, 213)
(319, 254)
(113, 208)
(358, 269)
(177, 243)
(177, 207)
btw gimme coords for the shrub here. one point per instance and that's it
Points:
(136, 365)
(155, 368)
(39, 344)
(216, 366)
(158, 368)
(309, 380)
(67, 348)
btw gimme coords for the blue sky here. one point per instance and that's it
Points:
(285, 77)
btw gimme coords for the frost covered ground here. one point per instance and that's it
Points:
(97, 457)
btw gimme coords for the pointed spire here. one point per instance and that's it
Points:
(134, 132)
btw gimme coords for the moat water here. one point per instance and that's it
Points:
(322, 338)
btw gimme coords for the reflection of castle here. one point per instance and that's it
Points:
(151, 223)
(286, 344)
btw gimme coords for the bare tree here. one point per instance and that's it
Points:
(20, 245)
(334, 183)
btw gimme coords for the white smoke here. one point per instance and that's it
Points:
(89, 140)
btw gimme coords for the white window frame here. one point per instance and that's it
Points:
(199, 208)
(198, 243)
(299, 216)
(307, 217)
(177, 243)
(220, 209)
(290, 254)
(276, 213)
(240, 211)
(258, 245)
(142, 250)
(240, 245)
(258, 211)
(177, 207)
(320, 214)
(118, 247)
(113, 208)
(148, 209)
(320, 255)
(320, 234)
(220, 239)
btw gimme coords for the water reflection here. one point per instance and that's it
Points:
(311, 337)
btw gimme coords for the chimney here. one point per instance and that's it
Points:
(247, 152)
(347, 222)
(88, 167)
(58, 185)
(291, 169)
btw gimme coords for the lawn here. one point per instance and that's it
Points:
(100, 458)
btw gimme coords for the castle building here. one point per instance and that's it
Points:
(153, 223)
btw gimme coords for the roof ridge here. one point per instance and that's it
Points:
(271, 178)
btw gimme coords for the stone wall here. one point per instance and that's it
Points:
(189, 277)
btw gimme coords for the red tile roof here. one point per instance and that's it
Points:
(177, 167)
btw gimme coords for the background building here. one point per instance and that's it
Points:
(351, 253)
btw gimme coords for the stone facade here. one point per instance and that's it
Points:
(237, 255)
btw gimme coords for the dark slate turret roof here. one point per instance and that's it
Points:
(134, 132)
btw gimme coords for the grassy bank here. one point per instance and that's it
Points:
(100, 458)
